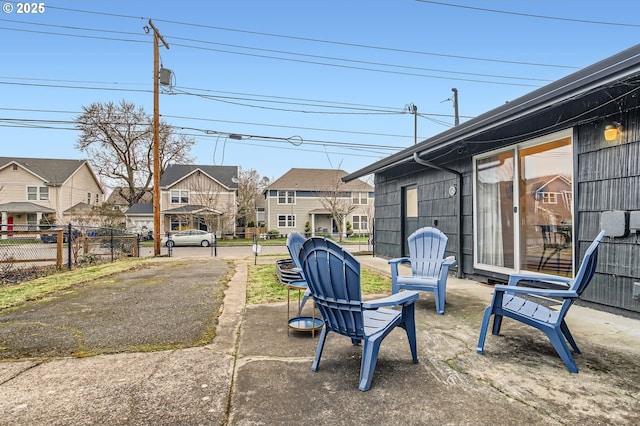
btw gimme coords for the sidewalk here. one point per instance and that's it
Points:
(254, 373)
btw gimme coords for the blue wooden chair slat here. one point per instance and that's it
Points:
(294, 244)
(429, 268)
(552, 322)
(333, 276)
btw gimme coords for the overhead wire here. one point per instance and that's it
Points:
(314, 40)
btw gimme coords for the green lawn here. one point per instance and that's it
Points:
(263, 285)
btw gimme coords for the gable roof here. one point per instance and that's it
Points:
(24, 207)
(116, 198)
(601, 76)
(139, 209)
(52, 171)
(225, 175)
(316, 180)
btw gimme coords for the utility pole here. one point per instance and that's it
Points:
(413, 109)
(157, 38)
(455, 106)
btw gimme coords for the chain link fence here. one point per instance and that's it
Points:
(30, 251)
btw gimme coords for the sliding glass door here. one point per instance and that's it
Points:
(523, 213)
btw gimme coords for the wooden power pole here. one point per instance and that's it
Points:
(455, 106)
(157, 38)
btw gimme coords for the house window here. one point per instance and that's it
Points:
(179, 223)
(517, 196)
(97, 199)
(179, 196)
(550, 198)
(360, 198)
(32, 221)
(360, 223)
(32, 192)
(89, 198)
(37, 193)
(286, 221)
(286, 197)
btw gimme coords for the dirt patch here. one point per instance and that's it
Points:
(169, 304)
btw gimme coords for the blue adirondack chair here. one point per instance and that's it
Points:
(333, 275)
(294, 244)
(429, 268)
(551, 322)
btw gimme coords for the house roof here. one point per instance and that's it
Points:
(24, 207)
(116, 198)
(225, 175)
(78, 208)
(316, 180)
(52, 171)
(190, 209)
(139, 209)
(602, 75)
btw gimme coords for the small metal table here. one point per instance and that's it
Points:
(300, 322)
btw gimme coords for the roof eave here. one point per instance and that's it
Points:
(623, 64)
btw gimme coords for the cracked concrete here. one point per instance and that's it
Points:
(254, 373)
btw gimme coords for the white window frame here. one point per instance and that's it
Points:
(177, 196)
(35, 193)
(514, 148)
(286, 221)
(360, 198)
(288, 196)
(358, 220)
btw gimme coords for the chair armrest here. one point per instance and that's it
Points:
(515, 278)
(401, 298)
(449, 261)
(565, 294)
(399, 260)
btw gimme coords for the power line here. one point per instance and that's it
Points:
(247, 123)
(531, 15)
(315, 40)
(301, 61)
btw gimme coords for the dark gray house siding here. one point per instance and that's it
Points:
(606, 175)
(608, 178)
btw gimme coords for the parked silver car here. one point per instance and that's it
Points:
(189, 237)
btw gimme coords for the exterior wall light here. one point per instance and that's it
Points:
(612, 130)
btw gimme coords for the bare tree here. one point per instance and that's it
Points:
(214, 205)
(338, 201)
(250, 188)
(118, 139)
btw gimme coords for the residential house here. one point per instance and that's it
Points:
(301, 200)
(200, 197)
(483, 182)
(118, 201)
(39, 190)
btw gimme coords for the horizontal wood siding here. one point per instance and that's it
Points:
(434, 204)
(608, 178)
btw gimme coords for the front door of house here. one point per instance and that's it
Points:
(409, 215)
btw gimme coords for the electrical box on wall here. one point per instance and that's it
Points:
(634, 221)
(615, 223)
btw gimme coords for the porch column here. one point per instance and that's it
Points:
(344, 227)
(313, 224)
(4, 221)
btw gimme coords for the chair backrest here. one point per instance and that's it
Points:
(294, 244)
(426, 251)
(554, 237)
(333, 275)
(588, 266)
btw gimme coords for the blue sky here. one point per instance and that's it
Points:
(336, 75)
